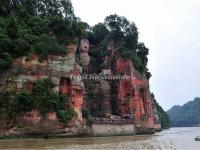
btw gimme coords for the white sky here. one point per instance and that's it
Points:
(171, 30)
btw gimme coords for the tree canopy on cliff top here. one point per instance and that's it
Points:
(123, 34)
(46, 27)
(36, 26)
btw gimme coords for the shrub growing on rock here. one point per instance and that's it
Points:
(25, 102)
(66, 115)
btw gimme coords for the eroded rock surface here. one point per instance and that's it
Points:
(126, 98)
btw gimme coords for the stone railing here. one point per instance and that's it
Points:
(112, 121)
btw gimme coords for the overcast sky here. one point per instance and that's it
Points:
(171, 30)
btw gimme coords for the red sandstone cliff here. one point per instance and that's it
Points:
(131, 96)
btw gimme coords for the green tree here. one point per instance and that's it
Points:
(47, 99)
(25, 102)
(142, 52)
(11, 27)
(86, 114)
(63, 99)
(5, 61)
(6, 44)
(66, 115)
(21, 47)
(45, 45)
(38, 25)
(121, 30)
(68, 10)
(163, 116)
(44, 8)
(99, 33)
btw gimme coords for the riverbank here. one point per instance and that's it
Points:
(173, 138)
(96, 130)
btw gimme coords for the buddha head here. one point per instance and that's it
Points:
(84, 46)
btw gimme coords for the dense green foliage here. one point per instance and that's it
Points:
(45, 100)
(186, 115)
(5, 61)
(164, 118)
(45, 27)
(63, 99)
(123, 35)
(25, 102)
(86, 114)
(40, 8)
(42, 98)
(66, 115)
(36, 26)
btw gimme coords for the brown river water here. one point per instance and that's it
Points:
(174, 138)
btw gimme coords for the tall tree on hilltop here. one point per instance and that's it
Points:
(142, 52)
(122, 31)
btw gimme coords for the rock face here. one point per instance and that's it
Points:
(129, 97)
(133, 94)
(27, 70)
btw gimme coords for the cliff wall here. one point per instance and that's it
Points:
(106, 98)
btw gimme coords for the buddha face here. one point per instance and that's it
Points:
(84, 46)
(71, 48)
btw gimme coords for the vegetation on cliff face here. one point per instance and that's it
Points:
(86, 114)
(44, 99)
(36, 26)
(186, 115)
(25, 102)
(123, 35)
(46, 27)
(163, 116)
